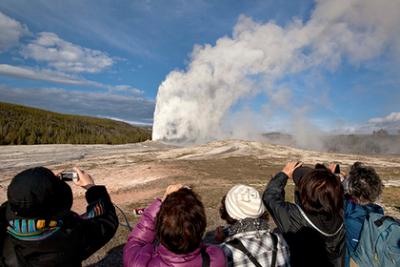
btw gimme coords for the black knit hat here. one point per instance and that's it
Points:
(38, 193)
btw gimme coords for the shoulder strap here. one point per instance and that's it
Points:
(315, 227)
(205, 257)
(274, 250)
(236, 243)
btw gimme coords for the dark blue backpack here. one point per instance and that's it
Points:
(379, 243)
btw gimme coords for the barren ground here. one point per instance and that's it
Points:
(137, 173)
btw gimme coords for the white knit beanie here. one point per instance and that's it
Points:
(244, 201)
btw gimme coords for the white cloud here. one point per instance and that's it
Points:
(391, 118)
(43, 75)
(10, 32)
(390, 123)
(192, 104)
(65, 56)
(127, 88)
(62, 78)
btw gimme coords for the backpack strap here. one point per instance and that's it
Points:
(205, 257)
(315, 227)
(274, 250)
(236, 243)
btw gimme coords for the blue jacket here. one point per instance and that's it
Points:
(354, 216)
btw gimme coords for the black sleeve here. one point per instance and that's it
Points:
(101, 223)
(282, 212)
(3, 223)
(3, 228)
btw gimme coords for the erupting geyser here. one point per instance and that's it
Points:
(193, 105)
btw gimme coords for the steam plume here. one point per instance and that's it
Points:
(193, 105)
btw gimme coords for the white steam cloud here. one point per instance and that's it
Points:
(194, 105)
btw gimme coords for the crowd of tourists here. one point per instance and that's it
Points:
(333, 221)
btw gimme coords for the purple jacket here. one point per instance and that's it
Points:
(140, 250)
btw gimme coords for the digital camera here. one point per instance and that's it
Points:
(69, 176)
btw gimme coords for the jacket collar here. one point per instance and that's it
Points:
(32, 229)
(248, 225)
(361, 210)
(169, 256)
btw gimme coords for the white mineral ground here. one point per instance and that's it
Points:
(122, 167)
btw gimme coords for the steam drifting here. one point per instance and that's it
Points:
(194, 105)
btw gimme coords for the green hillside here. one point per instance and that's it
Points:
(20, 125)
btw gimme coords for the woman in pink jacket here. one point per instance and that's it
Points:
(170, 233)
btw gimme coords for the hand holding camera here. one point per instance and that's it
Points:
(78, 177)
(84, 180)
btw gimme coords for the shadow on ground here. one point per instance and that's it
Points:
(112, 258)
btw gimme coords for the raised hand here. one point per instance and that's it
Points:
(170, 189)
(84, 179)
(290, 167)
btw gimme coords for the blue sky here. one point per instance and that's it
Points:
(108, 58)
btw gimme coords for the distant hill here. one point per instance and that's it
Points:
(378, 142)
(21, 125)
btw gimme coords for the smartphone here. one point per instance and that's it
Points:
(69, 176)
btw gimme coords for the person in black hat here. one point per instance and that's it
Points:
(38, 227)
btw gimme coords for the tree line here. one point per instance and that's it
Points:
(20, 125)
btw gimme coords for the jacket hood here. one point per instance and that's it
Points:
(37, 192)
